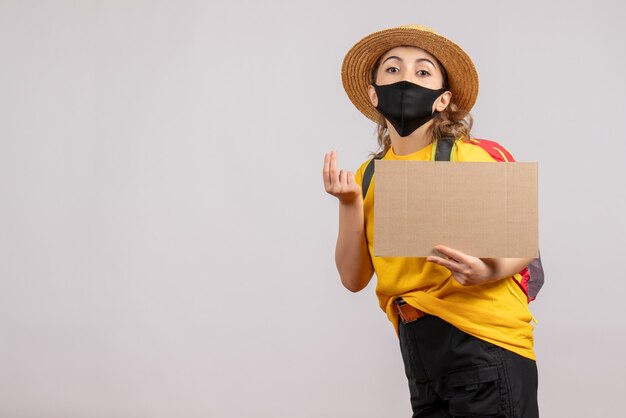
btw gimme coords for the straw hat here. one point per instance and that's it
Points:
(357, 65)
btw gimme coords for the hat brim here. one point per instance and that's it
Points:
(358, 63)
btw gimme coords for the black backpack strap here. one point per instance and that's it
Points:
(367, 176)
(444, 149)
(442, 153)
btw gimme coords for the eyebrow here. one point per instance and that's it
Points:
(417, 60)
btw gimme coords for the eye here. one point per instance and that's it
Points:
(392, 70)
(422, 73)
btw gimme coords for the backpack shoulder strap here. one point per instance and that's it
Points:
(443, 152)
(367, 176)
(444, 149)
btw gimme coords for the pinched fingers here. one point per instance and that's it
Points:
(326, 172)
(333, 173)
(350, 179)
(339, 183)
(330, 174)
(345, 183)
(346, 179)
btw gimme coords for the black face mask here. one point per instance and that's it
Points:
(406, 105)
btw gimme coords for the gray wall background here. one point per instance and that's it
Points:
(166, 245)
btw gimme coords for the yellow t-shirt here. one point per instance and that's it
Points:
(496, 312)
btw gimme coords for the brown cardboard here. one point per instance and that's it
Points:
(481, 209)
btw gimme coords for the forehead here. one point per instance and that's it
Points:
(410, 54)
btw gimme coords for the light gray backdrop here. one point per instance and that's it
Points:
(166, 246)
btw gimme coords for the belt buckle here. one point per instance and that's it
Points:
(406, 312)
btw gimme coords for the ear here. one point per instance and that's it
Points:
(371, 92)
(443, 101)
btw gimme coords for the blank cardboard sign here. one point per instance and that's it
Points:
(481, 209)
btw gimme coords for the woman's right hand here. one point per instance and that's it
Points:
(339, 183)
(351, 253)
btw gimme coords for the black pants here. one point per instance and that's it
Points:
(453, 374)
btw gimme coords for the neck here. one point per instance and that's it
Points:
(418, 139)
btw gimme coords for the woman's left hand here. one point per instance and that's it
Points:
(466, 270)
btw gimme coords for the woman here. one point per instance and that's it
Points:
(463, 322)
